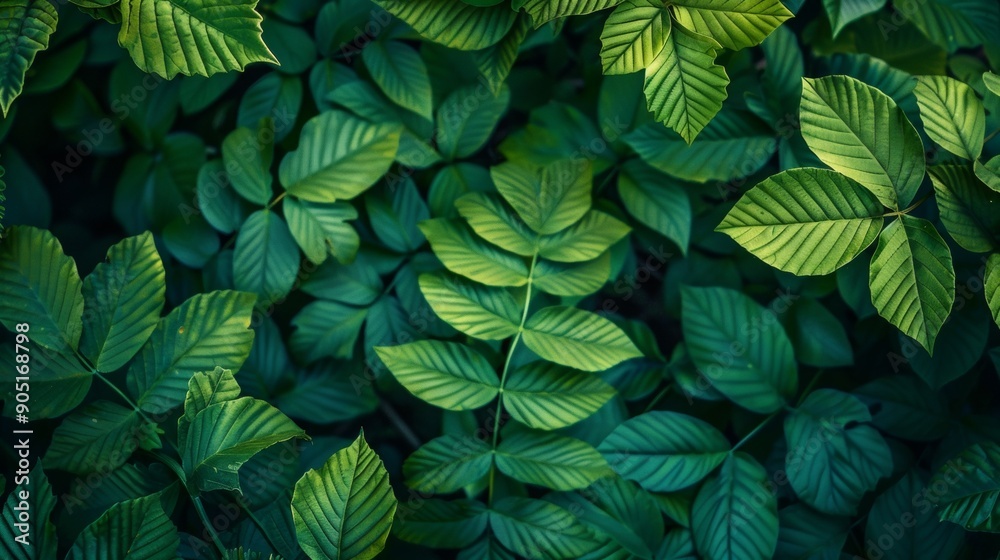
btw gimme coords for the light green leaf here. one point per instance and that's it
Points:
(834, 456)
(495, 222)
(966, 207)
(401, 74)
(734, 144)
(339, 156)
(957, 23)
(544, 11)
(41, 538)
(578, 339)
(665, 451)
(445, 374)
(845, 121)
(577, 279)
(992, 82)
(205, 388)
(326, 328)
(266, 260)
(550, 198)
(989, 172)
(587, 239)
(345, 508)
(138, 528)
(123, 299)
(227, 434)
(735, 515)
(248, 164)
(842, 12)
(992, 286)
(25, 27)
(634, 33)
(740, 347)
(953, 116)
(656, 201)
(900, 509)
(535, 528)
(548, 397)
(550, 460)
(479, 311)
(441, 524)
(40, 286)
(912, 279)
(447, 464)
(684, 87)
(805, 221)
(735, 24)
(495, 63)
(170, 37)
(322, 229)
(463, 253)
(454, 23)
(208, 330)
(99, 438)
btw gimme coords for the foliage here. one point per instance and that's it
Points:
(501, 279)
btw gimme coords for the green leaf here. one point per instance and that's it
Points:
(99, 438)
(544, 11)
(170, 37)
(266, 259)
(808, 534)
(479, 311)
(842, 12)
(634, 33)
(208, 330)
(463, 253)
(577, 279)
(138, 528)
(123, 299)
(656, 201)
(912, 279)
(227, 434)
(495, 222)
(394, 216)
(345, 508)
(445, 374)
(464, 127)
(549, 199)
(817, 335)
(957, 23)
(401, 74)
(740, 347)
(454, 23)
(989, 172)
(338, 157)
(906, 407)
(276, 96)
(587, 239)
(326, 328)
(441, 524)
(953, 116)
(322, 229)
(221, 207)
(665, 451)
(992, 286)
(845, 122)
(577, 339)
(972, 482)
(992, 82)
(534, 528)
(735, 515)
(25, 27)
(960, 344)
(326, 393)
(735, 24)
(684, 87)
(41, 535)
(205, 388)
(904, 507)
(851, 457)
(548, 397)
(495, 63)
(965, 206)
(248, 164)
(40, 286)
(550, 460)
(448, 463)
(805, 221)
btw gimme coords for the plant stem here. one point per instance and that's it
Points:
(506, 369)
(659, 396)
(195, 499)
(398, 422)
(809, 388)
(754, 431)
(991, 135)
(911, 207)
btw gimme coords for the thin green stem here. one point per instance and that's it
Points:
(277, 200)
(659, 396)
(195, 499)
(991, 135)
(911, 207)
(809, 388)
(754, 431)
(506, 369)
